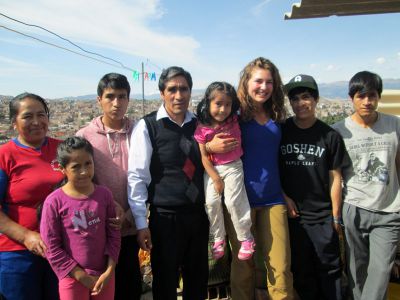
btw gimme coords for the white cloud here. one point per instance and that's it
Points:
(18, 63)
(318, 79)
(330, 68)
(257, 9)
(313, 66)
(13, 68)
(18, 41)
(398, 55)
(380, 60)
(124, 26)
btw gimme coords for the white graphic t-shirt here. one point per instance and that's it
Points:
(371, 180)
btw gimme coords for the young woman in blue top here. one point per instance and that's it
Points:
(262, 109)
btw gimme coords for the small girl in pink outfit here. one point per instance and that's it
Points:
(82, 246)
(224, 172)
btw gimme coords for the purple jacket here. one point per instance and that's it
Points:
(77, 232)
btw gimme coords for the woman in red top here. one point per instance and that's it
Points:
(28, 173)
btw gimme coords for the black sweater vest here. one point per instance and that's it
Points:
(170, 187)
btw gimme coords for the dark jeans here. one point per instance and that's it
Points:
(180, 244)
(315, 260)
(128, 279)
(25, 276)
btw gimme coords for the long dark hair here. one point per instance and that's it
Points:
(274, 106)
(203, 108)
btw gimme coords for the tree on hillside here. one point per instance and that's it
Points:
(332, 119)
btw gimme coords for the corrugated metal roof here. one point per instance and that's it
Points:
(326, 8)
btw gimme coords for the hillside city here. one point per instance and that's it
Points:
(68, 116)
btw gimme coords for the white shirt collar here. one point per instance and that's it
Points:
(162, 113)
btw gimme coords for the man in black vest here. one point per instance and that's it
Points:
(165, 171)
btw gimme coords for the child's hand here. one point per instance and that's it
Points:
(88, 281)
(218, 185)
(84, 278)
(101, 282)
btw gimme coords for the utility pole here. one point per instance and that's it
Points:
(142, 89)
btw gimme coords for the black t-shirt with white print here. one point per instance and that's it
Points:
(306, 157)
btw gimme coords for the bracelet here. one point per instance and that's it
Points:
(208, 148)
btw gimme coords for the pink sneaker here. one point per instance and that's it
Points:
(218, 249)
(246, 249)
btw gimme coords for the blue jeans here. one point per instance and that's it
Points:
(25, 276)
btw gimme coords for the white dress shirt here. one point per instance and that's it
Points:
(139, 176)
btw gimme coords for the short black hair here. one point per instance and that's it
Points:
(171, 72)
(203, 108)
(364, 82)
(300, 90)
(15, 103)
(113, 81)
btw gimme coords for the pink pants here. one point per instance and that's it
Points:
(70, 289)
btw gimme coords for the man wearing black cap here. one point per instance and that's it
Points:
(311, 158)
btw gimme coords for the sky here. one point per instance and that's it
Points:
(212, 39)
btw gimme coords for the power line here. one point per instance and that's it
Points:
(120, 65)
(65, 39)
(66, 49)
(149, 62)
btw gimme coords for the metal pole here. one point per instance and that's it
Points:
(142, 89)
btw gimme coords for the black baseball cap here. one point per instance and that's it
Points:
(301, 80)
